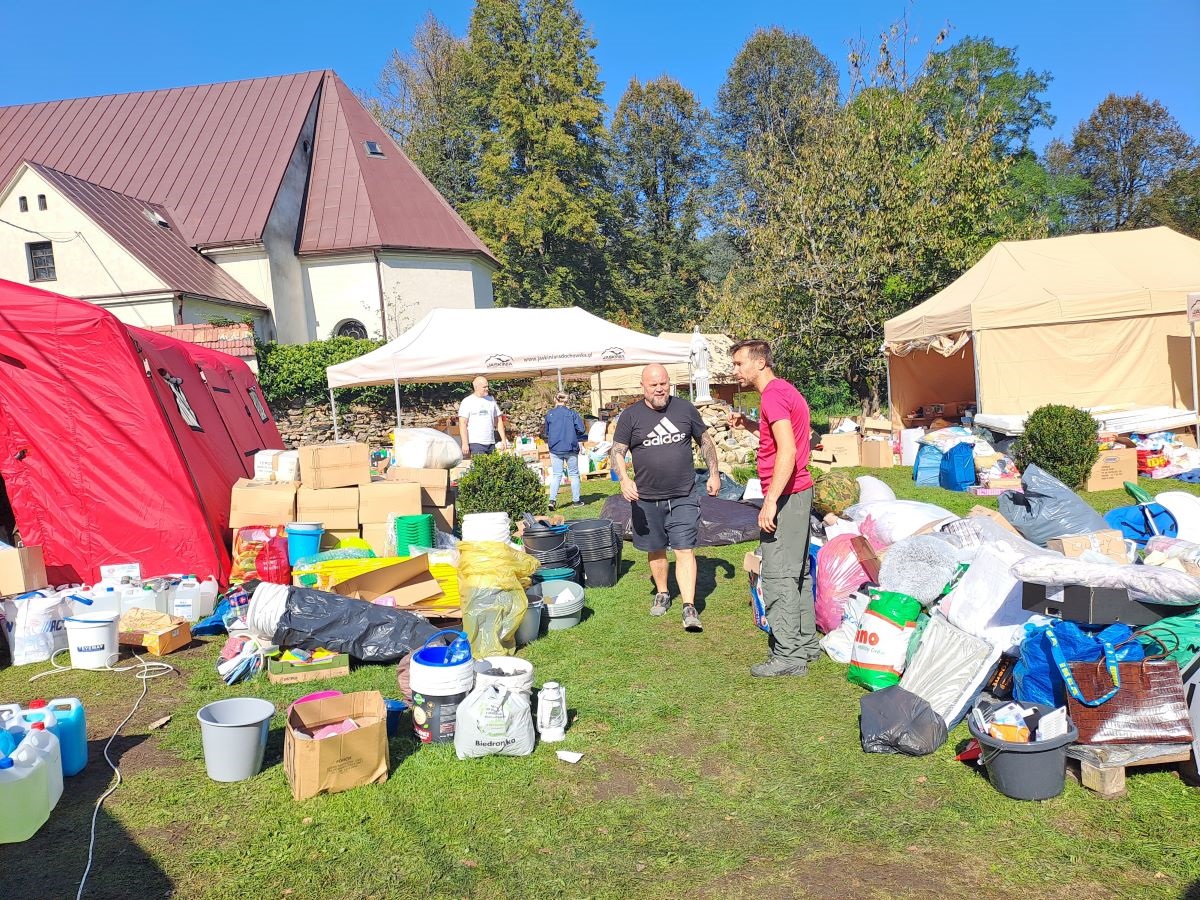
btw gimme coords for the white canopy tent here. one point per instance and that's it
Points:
(457, 344)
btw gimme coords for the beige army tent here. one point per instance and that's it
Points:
(1088, 320)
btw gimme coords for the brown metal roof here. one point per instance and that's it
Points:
(213, 154)
(236, 340)
(360, 201)
(160, 248)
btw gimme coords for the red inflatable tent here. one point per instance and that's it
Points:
(119, 444)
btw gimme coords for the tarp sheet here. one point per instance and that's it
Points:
(721, 521)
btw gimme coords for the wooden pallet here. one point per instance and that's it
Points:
(1109, 781)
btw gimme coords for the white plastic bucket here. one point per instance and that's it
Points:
(437, 690)
(493, 526)
(234, 735)
(92, 639)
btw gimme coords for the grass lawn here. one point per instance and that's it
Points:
(697, 780)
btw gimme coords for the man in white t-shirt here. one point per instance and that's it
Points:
(478, 419)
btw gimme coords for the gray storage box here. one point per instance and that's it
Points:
(1094, 606)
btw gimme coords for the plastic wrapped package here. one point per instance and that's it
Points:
(881, 643)
(425, 448)
(919, 566)
(1149, 584)
(893, 720)
(986, 602)
(839, 643)
(493, 720)
(1047, 509)
(894, 520)
(873, 490)
(949, 668)
(34, 625)
(839, 574)
(261, 552)
(492, 578)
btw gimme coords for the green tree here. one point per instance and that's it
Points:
(425, 99)
(543, 204)
(659, 174)
(1127, 149)
(1176, 203)
(873, 211)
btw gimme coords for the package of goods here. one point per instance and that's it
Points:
(892, 720)
(881, 644)
(1147, 584)
(335, 508)
(1047, 509)
(949, 668)
(280, 671)
(277, 465)
(752, 563)
(877, 454)
(927, 468)
(894, 520)
(834, 493)
(262, 503)
(873, 490)
(987, 600)
(1113, 469)
(844, 447)
(343, 760)
(493, 720)
(435, 483)
(443, 517)
(325, 466)
(839, 643)
(157, 632)
(425, 448)
(920, 567)
(839, 574)
(380, 499)
(260, 552)
(957, 469)
(492, 578)
(34, 624)
(314, 620)
(945, 438)
(1037, 677)
(21, 569)
(1108, 543)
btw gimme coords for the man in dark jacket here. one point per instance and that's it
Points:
(563, 430)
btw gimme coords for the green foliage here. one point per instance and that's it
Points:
(1176, 203)
(293, 374)
(500, 482)
(1060, 440)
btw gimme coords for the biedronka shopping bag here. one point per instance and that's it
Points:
(881, 644)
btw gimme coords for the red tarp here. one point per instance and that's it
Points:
(120, 445)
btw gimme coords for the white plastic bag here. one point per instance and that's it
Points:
(493, 720)
(425, 448)
(894, 520)
(986, 603)
(840, 642)
(873, 490)
(34, 625)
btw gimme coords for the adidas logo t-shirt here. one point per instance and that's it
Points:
(661, 445)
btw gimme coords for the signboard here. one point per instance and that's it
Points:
(1193, 307)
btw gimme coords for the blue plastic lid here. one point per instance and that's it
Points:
(6, 762)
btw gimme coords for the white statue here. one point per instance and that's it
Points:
(698, 364)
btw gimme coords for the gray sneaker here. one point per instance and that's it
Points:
(691, 619)
(662, 602)
(777, 665)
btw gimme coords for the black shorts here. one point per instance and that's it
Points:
(659, 524)
(481, 449)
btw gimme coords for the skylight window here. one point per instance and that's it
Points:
(156, 218)
(373, 149)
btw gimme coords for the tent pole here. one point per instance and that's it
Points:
(397, 386)
(333, 410)
(599, 391)
(1193, 306)
(975, 361)
(560, 379)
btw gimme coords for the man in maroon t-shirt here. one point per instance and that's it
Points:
(783, 430)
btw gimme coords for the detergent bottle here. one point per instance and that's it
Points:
(209, 589)
(39, 711)
(40, 743)
(72, 733)
(187, 598)
(24, 798)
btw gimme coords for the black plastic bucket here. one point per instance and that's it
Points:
(546, 539)
(1033, 771)
(600, 572)
(566, 555)
(591, 534)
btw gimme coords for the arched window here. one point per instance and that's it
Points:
(351, 328)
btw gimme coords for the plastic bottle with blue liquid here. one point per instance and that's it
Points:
(459, 650)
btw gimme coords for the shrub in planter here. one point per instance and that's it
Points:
(500, 482)
(1060, 440)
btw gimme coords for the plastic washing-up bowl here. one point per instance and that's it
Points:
(564, 613)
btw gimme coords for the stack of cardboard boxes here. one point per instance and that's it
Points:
(338, 488)
(870, 445)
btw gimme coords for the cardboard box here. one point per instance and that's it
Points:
(22, 569)
(844, 447)
(157, 632)
(409, 582)
(335, 508)
(279, 672)
(334, 536)
(324, 466)
(877, 454)
(1092, 606)
(1113, 469)
(379, 499)
(435, 483)
(752, 563)
(994, 516)
(375, 534)
(1109, 542)
(443, 517)
(262, 503)
(343, 761)
(821, 460)
(875, 425)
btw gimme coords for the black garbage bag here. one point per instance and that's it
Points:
(730, 489)
(895, 721)
(369, 633)
(721, 521)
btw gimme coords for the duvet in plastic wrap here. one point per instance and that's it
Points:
(893, 720)
(722, 522)
(987, 600)
(1148, 584)
(1047, 509)
(949, 668)
(309, 619)
(920, 566)
(885, 522)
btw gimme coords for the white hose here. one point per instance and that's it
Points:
(267, 605)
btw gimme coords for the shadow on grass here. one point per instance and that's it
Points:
(51, 863)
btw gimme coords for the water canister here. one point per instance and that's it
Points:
(72, 733)
(24, 798)
(438, 687)
(209, 591)
(187, 598)
(39, 711)
(103, 599)
(41, 743)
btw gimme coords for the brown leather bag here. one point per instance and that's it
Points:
(1148, 708)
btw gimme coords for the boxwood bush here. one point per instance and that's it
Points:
(500, 482)
(1060, 440)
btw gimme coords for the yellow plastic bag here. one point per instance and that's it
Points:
(492, 578)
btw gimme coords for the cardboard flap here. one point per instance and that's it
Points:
(409, 582)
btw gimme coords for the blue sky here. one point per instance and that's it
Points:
(1091, 48)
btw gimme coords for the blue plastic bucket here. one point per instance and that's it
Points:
(303, 542)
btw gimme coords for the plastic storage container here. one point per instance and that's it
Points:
(24, 798)
(187, 598)
(209, 591)
(40, 743)
(72, 733)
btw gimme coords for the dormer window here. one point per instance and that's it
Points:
(373, 149)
